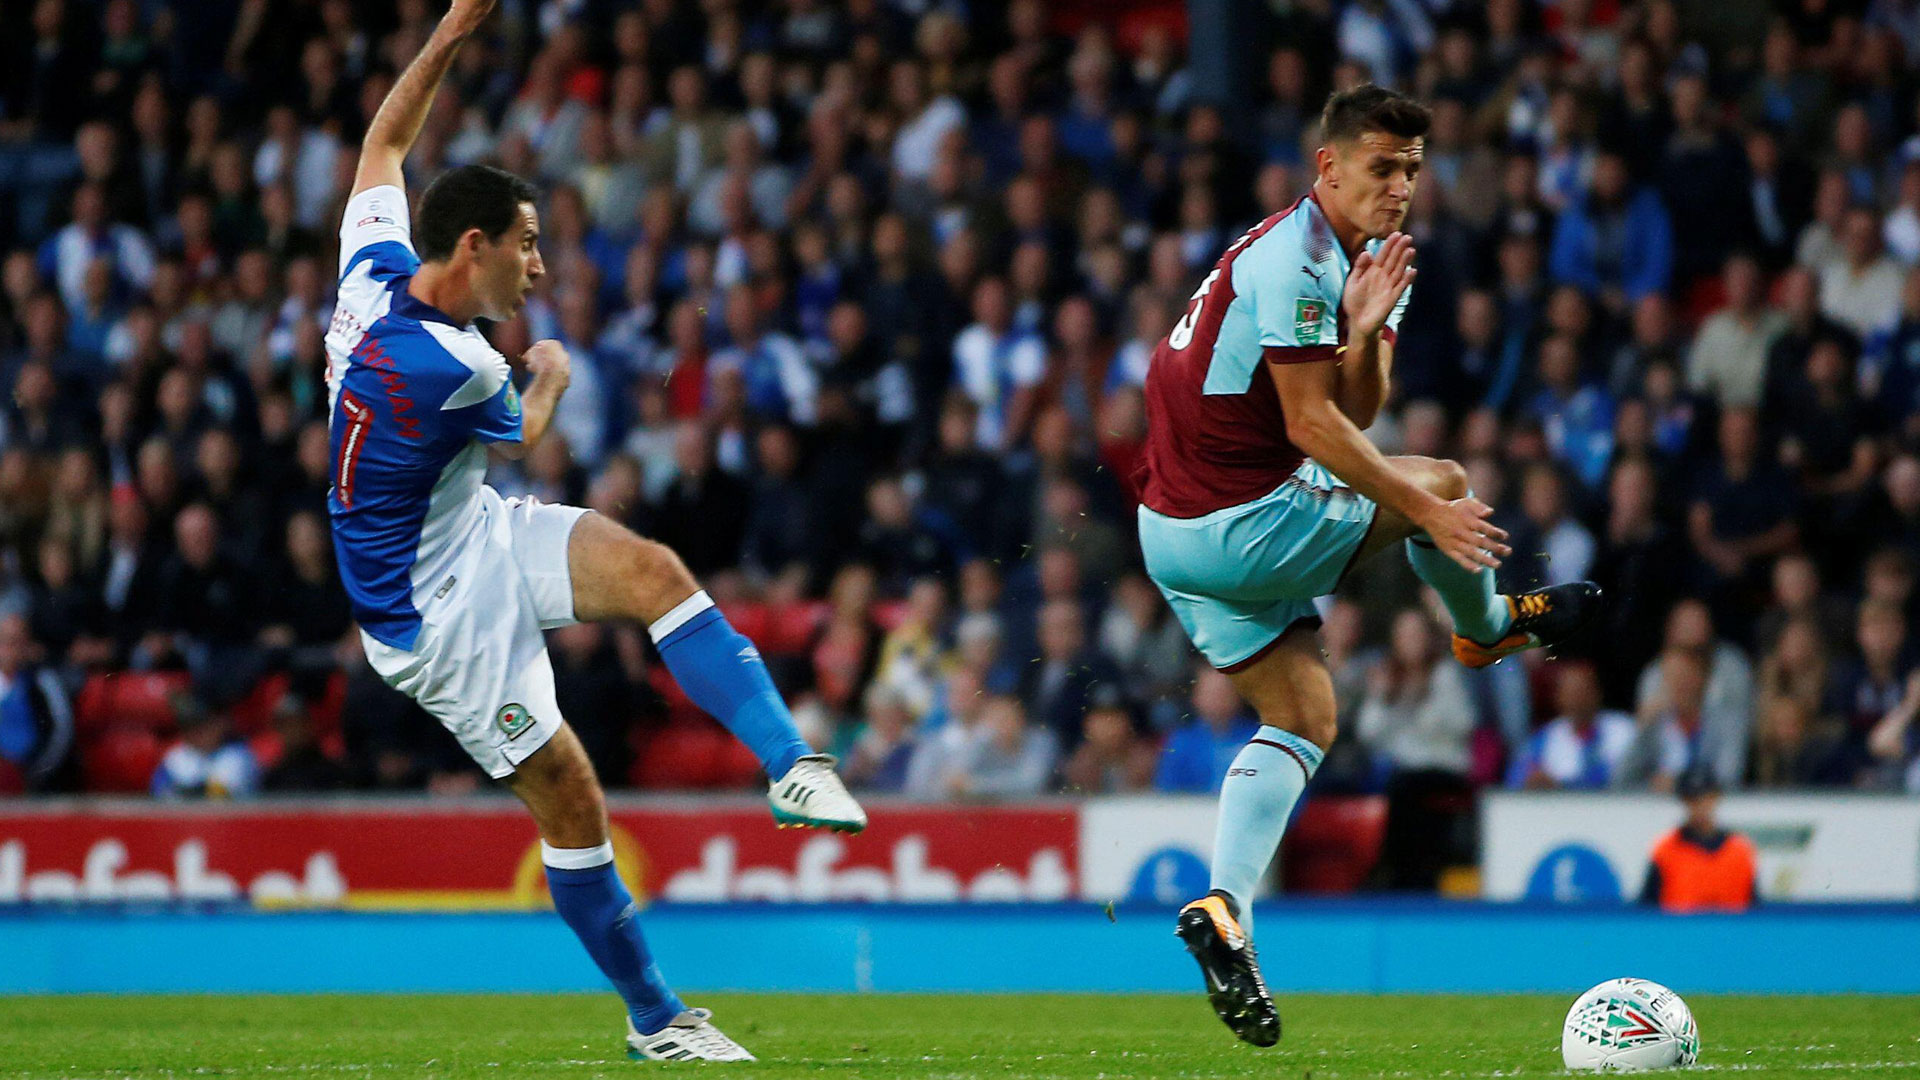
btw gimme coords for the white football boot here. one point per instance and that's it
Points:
(690, 1037)
(812, 796)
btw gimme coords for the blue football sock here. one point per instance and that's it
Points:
(1256, 801)
(1479, 613)
(589, 895)
(722, 673)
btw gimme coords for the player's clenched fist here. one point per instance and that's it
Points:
(548, 360)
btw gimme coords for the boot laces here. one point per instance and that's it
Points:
(1533, 605)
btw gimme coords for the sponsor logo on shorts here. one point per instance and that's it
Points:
(514, 719)
(1243, 772)
(376, 219)
(513, 401)
(1307, 314)
(748, 654)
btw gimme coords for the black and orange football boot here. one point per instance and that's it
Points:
(1542, 618)
(1210, 926)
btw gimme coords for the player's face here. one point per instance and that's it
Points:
(509, 267)
(1372, 180)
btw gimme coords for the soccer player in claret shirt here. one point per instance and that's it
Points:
(452, 585)
(1259, 490)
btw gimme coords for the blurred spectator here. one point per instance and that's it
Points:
(945, 733)
(1060, 687)
(1616, 244)
(1550, 546)
(594, 694)
(207, 762)
(1582, 745)
(207, 609)
(1677, 731)
(1639, 564)
(913, 652)
(1701, 866)
(1199, 752)
(299, 763)
(1869, 684)
(1005, 757)
(306, 611)
(1111, 757)
(1418, 721)
(1144, 640)
(1742, 514)
(998, 365)
(1798, 595)
(1895, 740)
(36, 718)
(884, 747)
(1860, 289)
(66, 256)
(703, 512)
(1728, 361)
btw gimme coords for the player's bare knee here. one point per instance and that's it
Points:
(656, 578)
(1449, 479)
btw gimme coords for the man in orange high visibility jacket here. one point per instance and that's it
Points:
(1701, 866)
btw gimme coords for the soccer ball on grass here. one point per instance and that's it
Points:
(1626, 1025)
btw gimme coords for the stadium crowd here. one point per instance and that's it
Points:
(860, 297)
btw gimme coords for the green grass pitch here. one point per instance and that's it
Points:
(926, 1037)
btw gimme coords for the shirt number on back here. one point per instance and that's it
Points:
(1182, 335)
(352, 441)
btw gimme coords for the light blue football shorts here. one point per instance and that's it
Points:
(1238, 578)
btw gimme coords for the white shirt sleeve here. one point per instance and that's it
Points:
(376, 215)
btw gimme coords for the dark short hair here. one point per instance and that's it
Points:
(1352, 113)
(469, 197)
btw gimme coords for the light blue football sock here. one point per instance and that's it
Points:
(1479, 613)
(722, 673)
(589, 895)
(1256, 801)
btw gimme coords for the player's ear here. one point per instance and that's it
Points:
(1323, 163)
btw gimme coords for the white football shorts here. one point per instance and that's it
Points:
(480, 664)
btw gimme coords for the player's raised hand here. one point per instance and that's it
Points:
(465, 16)
(1375, 284)
(1461, 529)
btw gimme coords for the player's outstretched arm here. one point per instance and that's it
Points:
(390, 136)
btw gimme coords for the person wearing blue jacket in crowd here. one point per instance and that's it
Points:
(1618, 242)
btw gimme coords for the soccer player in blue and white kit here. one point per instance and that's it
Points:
(452, 585)
(1259, 488)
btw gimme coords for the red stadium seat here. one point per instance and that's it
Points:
(253, 714)
(121, 760)
(1334, 844)
(327, 711)
(750, 619)
(681, 755)
(737, 766)
(790, 628)
(90, 706)
(130, 699)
